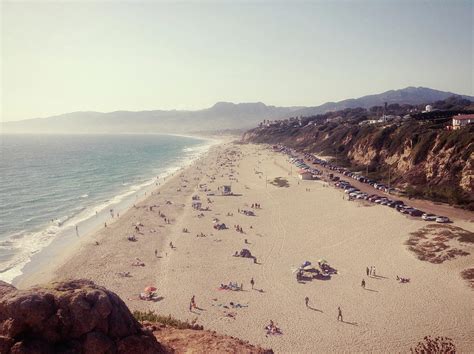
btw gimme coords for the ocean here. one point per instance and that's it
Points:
(54, 186)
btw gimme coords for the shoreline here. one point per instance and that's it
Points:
(299, 221)
(91, 224)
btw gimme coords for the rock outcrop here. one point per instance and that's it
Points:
(200, 341)
(70, 317)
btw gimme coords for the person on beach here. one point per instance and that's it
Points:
(363, 283)
(367, 270)
(339, 314)
(77, 230)
(105, 224)
(156, 253)
(306, 301)
(252, 282)
(373, 272)
(192, 305)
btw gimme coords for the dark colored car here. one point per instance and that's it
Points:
(415, 212)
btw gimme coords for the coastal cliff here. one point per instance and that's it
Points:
(417, 154)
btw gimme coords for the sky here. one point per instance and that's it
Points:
(65, 56)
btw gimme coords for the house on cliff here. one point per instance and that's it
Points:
(462, 120)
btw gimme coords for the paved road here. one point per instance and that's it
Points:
(424, 205)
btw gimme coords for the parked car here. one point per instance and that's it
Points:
(429, 217)
(406, 210)
(415, 212)
(442, 219)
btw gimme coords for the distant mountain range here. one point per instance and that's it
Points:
(223, 115)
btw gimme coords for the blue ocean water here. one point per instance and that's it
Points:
(51, 183)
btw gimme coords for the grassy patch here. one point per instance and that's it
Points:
(151, 316)
(468, 275)
(280, 182)
(432, 243)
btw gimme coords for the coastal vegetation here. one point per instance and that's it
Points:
(153, 317)
(434, 345)
(280, 182)
(468, 275)
(437, 243)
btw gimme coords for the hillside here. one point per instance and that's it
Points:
(408, 96)
(221, 116)
(422, 157)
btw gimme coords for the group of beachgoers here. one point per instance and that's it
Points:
(370, 271)
(232, 286)
(239, 228)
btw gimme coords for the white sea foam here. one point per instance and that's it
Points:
(26, 244)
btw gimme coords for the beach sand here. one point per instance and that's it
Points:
(292, 226)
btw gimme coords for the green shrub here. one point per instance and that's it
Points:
(151, 316)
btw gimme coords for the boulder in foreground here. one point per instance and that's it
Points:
(74, 316)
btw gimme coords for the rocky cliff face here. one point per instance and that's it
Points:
(73, 317)
(421, 157)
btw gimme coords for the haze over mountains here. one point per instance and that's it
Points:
(223, 115)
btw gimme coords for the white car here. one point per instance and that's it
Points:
(442, 219)
(429, 217)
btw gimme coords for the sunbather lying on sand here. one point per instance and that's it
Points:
(403, 280)
(272, 329)
(138, 263)
(148, 296)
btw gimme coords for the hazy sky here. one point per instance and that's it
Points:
(65, 56)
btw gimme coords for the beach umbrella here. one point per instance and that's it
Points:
(149, 289)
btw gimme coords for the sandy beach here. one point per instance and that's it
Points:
(305, 220)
